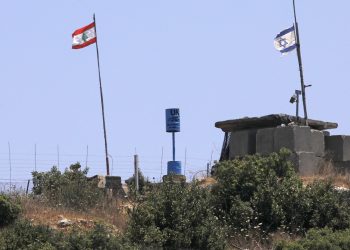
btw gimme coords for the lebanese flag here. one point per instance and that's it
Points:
(84, 36)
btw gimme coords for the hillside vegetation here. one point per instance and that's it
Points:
(255, 202)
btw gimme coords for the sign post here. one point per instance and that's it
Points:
(173, 126)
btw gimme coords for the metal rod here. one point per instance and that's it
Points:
(161, 164)
(185, 161)
(35, 157)
(173, 146)
(102, 105)
(87, 156)
(10, 166)
(27, 190)
(300, 64)
(136, 166)
(297, 111)
(58, 156)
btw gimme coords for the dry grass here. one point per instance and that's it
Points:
(113, 214)
(257, 240)
(340, 179)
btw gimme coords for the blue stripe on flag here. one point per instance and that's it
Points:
(288, 49)
(285, 32)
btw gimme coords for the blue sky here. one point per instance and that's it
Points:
(214, 60)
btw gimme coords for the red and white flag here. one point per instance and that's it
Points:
(84, 36)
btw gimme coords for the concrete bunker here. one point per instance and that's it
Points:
(311, 146)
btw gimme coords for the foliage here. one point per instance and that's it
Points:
(9, 210)
(24, 235)
(144, 184)
(70, 189)
(254, 187)
(321, 239)
(175, 216)
(264, 192)
(326, 207)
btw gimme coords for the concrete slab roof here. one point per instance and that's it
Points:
(270, 121)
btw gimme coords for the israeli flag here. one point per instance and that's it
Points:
(285, 41)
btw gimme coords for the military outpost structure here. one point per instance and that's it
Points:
(312, 146)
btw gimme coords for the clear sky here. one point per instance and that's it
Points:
(214, 60)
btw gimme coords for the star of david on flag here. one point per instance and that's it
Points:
(285, 41)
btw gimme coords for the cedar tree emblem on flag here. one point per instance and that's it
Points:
(84, 36)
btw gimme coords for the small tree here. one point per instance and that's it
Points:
(71, 189)
(9, 210)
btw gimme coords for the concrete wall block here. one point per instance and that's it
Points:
(338, 147)
(342, 167)
(306, 163)
(317, 143)
(294, 138)
(113, 182)
(265, 141)
(242, 143)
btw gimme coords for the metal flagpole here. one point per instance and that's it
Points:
(102, 106)
(300, 64)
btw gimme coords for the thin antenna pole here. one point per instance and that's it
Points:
(136, 173)
(35, 157)
(87, 156)
(58, 156)
(185, 161)
(161, 164)
(10, 163)
(102, 105)
(300, 64)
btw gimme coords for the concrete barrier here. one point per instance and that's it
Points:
(317, 143)
(242, 143)
(338, 147)
(306, 163)
(265, 141)
(294, 138)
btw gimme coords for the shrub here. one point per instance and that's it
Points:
(70, 189)
(24, 235)
(9, 210)
(326, 207)
(176, 216)
(250, 192)
(321, 239)
(265, 192)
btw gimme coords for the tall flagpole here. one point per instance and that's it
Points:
(300, 64)
(102, 105)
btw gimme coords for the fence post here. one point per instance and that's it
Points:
(136, 169)
(27, 187)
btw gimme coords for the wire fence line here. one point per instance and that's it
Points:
(18, 169)
(18, 186)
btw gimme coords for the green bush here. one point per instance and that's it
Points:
(326, 207)
(24, 235)
(175, 216)
(9, 210)
(70, 189)
(264, 192)
(250, 192)
(321, 239)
